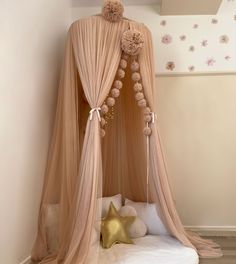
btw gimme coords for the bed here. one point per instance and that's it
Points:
(149, 250)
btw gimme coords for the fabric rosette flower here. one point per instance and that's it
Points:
(132, 42)
(112, 10)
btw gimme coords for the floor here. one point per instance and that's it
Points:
(228, 245)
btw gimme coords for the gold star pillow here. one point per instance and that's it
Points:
(114, 228)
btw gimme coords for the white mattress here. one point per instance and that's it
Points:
(149, 250)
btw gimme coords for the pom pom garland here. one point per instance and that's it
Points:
(104, 109)
(147, 111)
(137, 87)
(125, 56)
(147, 118)
(115, 92)
(111, 101)
(147, 131)
(142, 103)
(103, 122)
(118, 84)
(102, 132)
(123, 64)
(136, 76)
(134, 66)
(121, 73)
(139, 96)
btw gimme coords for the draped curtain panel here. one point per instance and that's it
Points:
(82, 167)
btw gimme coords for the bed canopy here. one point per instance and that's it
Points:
(106, 137)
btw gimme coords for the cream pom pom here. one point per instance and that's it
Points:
(104, 109)
(123, 64)
(102, 132)
(115, 92)
(138, 87)
(147, 111)
(132, 42)
(147, 118)
(103, 122)
(112, 10)
(134, 66)
(110, 101)
(139, 96)
(147, 131)
(121, 73)
(136, 76)
(118, 84)
(142, 103)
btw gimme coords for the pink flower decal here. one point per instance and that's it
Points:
(182, 37)
(204, 43)
(195, 26)
(210, 62)
(224, 39)
(170, 65)
(166, 39)
(191, 68)
(163, 23)
(191, 48)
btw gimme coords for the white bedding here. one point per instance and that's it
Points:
(149, 250)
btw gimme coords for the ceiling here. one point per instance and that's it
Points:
(167, 7)
(190, 7)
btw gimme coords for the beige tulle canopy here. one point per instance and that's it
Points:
(106, 139)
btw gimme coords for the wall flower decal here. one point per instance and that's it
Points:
(170, 65)
(191, 48)
(163, 23)
(214, 21)
(227, 57)
(195, 26)
(166, 39)
(191, 68)
(182, 37)
(204, 43)
(224, 39)
(210, 62)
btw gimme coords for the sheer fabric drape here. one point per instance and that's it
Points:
(74, 174)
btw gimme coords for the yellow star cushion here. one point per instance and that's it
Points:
(114, 228)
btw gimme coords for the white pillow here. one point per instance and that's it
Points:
(149, 215)
(106, 201)
(137, 228)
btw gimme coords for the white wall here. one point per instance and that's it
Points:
(32, 35)
(198, 127)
